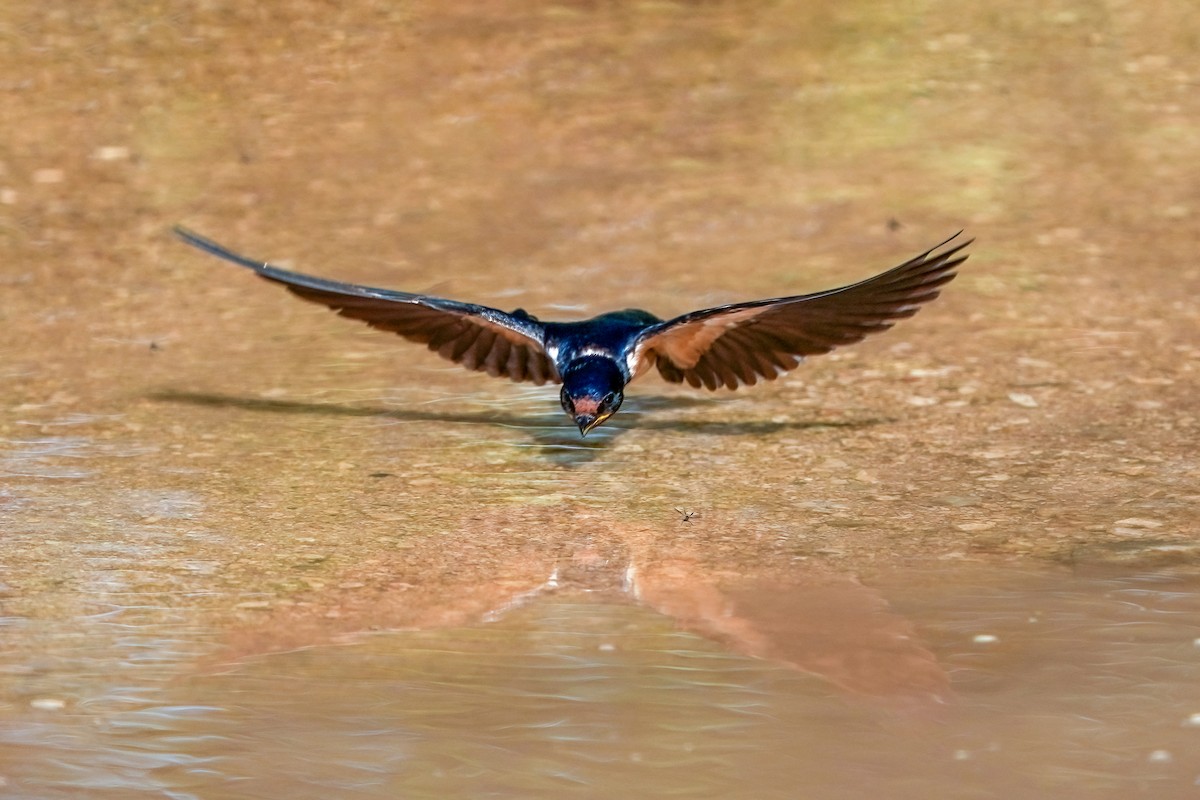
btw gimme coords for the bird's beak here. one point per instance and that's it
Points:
(586, 422)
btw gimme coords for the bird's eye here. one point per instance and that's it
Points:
(609, 399)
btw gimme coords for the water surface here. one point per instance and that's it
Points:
(253, 550)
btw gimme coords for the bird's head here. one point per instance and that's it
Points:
(591, 391)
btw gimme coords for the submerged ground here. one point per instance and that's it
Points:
(197, 468)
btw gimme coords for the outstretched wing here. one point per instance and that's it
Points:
(739, 343)
(478, 337)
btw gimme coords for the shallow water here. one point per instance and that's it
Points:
(996, 682)
(250, 549)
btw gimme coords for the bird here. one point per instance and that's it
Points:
(595, 359)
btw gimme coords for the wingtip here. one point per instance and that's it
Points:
(199, 242)
(958, 245)
(189, 236)
(947, 258)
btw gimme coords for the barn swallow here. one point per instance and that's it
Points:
(595, 359)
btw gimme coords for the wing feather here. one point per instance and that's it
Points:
(515, 365)
(475, 336)
(742, 341)
(497, 358)
(465, 342)
(476, 355)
